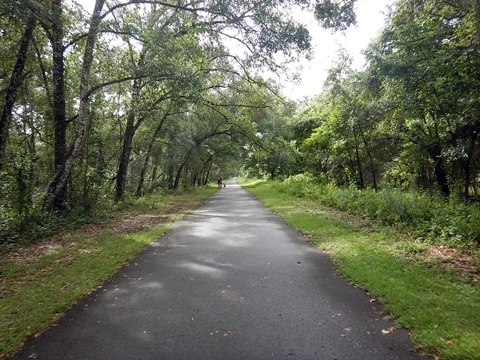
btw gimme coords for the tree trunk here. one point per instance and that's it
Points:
(207, 175)
(204, 168)
(360, 168)
(153, 178)
(59, 112)
(467, 172)
(477, 22)
(125, 157)
(15, 82)
(439, 168)
(169, 177)
(193, 177)
(141, 182)
(176, 183)
(130, 130)
(467, 167)
(85, 161)
(370, 158)
(351, 163)
(62, 175)
(180, 170)
(127, 144)
(186, 175)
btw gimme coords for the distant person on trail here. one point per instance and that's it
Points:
(219, 182)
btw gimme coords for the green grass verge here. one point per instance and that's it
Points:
(42, 281)
(441, 310)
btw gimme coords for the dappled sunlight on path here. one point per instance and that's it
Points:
(229, 281)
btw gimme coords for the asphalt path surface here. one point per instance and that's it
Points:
(229, 281)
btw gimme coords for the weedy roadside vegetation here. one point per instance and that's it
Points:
(39, 281)
(437, 302)
(431, 218)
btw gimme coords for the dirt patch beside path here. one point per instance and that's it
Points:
(138, 223)
(463, 262)
(64, 239)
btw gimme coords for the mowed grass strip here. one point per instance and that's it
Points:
(36, 287)
(441, 310)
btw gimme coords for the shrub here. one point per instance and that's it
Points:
(299, 185)
(457, 224)
(428, 216)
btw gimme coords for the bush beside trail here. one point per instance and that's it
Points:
(427, 217)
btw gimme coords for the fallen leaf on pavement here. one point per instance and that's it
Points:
(388, 331)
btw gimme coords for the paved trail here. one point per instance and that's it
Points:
(229, 281)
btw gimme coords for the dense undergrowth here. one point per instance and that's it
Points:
(32, 224)
(428, 218)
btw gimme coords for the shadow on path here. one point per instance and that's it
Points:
(229, 281)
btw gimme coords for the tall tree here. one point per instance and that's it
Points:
(56, 187)
(432, 79)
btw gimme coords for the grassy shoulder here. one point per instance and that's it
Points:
(39, 282)
(441, 308)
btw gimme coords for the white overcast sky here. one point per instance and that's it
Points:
(371, 16)
(370, 19)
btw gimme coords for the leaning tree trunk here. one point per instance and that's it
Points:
(141, 182)
(204, 169)
(198, 142)
(13, 86)
(62, 175)
(207, 175)
(176, 182)
(180, 170)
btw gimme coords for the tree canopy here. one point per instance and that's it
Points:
(137, 95)
(143, 95)
(410, 119)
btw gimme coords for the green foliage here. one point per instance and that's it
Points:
(428, 216)
(338, 15)
(301, 185)
(169, 104)
(426, 60)
(411, 118)
(409, 121)
(441, 311)
(457, 224)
